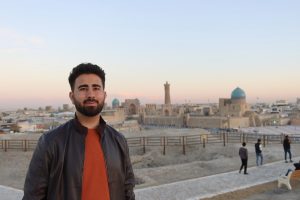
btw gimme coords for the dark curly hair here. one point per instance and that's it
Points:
(86, 68)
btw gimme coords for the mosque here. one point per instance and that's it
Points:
(236, 106)
(231, 113)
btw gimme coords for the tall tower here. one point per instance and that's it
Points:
(167, 94)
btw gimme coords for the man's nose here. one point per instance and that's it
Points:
(90, 92)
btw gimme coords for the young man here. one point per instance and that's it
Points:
(287, 148)
(84, 158)
(243, 152)
(258, 151)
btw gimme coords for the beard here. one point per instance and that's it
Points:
(89, 111)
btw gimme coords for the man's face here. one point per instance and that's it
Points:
(88, 95)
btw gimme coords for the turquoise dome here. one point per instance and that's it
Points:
(238, 93)
(115, 103)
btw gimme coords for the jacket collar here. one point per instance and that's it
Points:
(82, 129)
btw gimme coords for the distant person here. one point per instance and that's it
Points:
(84, 158)
(287, 148)
(243, 152)
(297, 165)
(258, 151)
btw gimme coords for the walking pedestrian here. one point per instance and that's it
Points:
(287, 148)
(243, 152)
(258, 151)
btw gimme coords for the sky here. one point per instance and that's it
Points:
(203, 48)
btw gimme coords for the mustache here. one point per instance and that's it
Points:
(90, 101)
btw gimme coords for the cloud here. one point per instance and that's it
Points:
(12, 41)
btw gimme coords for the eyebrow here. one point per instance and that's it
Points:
(96, 85)
(82, 86)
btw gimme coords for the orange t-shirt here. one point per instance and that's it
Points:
(94, 179)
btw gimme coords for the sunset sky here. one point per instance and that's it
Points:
(204, 49)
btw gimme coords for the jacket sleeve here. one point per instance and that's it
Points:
(129, 177)
(36, 182)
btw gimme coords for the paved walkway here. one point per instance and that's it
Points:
(195, 189)
(7, 193)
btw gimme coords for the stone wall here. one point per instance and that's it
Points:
(239, 122)
(113, 116)
(176, 121)
(295, 121)
(205, 122)
(197, 121)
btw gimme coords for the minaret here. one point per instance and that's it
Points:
(167, 94)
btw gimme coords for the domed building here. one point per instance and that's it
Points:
(236, 106)
(115, 103)
(238, 93)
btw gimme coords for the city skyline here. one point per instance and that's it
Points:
(203, 49)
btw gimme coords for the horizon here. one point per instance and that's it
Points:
(60, 104)
(203, 49)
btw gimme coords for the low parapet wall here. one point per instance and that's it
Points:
(8, 193)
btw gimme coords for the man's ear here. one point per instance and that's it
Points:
(71, 96)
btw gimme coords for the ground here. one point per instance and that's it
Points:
(154, 168)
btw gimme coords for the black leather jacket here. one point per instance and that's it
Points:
(286, 144)
(55, 171)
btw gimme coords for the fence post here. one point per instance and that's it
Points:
(200, 139)
(164, 142)
(183, 145)
(227, 138)
(224, 139)
(5, 145)
(221, 133)
(144, 145)
(264, 140)
(24, 145)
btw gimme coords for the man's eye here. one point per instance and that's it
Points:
(82, 89)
